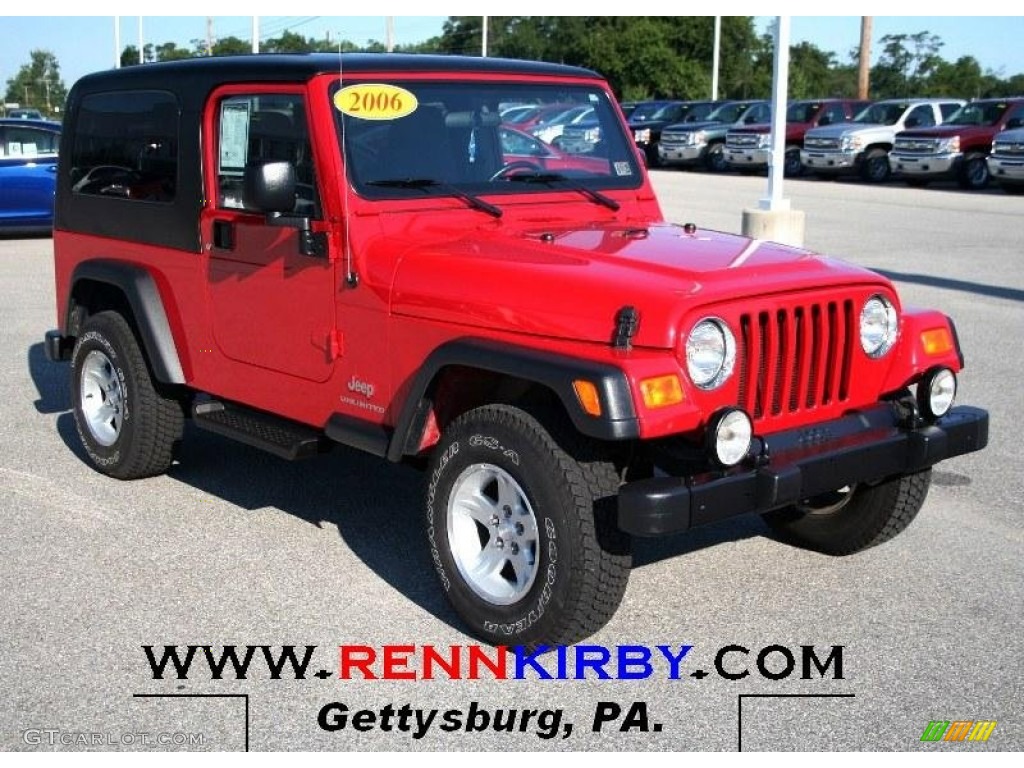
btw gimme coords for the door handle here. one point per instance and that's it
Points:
(224, 235)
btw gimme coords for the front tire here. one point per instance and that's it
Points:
(875, 168)
(521, 528)
(715, 160)
(974, 172)
(852, 519)
(127, 428)
(793, 167)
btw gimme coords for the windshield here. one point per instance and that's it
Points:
(802, 111)
(980, 113)
(454, 137)
(645, 112)
(697, 112)
(727, 113)
(882, 114)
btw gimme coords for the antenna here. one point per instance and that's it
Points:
(351, 277)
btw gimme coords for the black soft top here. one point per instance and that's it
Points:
(298, 67)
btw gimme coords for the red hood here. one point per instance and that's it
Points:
(945, 131)
(572, 284)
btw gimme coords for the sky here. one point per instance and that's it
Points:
(86, 44)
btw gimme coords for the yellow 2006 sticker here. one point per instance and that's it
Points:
(375, 101)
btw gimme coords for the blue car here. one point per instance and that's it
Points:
(28, 174)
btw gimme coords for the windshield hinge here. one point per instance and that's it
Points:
(627, 320)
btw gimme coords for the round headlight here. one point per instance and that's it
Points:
(710, 353)
(936, 392)
(878, 326)
(729, 434)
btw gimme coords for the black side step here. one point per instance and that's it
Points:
(278, 436)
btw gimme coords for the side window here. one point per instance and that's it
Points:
(947, 110)
(920, 116)
(126, 145)
(253, 129)
(1015, 117)
(833, 114)
(18, 141)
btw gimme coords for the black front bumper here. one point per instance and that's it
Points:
(866, 446)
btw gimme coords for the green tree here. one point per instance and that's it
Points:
(906, 64)
(170, 51)
(642, 56)
(38, 84)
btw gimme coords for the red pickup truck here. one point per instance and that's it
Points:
(957, 149)
(748, 148)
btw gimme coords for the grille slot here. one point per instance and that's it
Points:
(794, 359)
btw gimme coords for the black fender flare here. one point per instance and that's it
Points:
(143, 296)
(618, 419)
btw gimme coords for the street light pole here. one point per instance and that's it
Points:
(773, 219)
(716, 56)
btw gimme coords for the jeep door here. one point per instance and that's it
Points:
(271, 305)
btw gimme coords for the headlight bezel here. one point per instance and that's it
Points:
(724, 367)
(891, 325)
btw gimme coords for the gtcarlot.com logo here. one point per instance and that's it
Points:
(55, 737)
(958, 730)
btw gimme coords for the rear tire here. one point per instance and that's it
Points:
(521, 528)
(852, 520)
(127, 428)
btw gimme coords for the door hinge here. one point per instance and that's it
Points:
(335, 344)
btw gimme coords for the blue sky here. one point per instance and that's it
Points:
(86, 44)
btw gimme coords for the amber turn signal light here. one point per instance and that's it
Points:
(586, 393)
(661, 391)
(936, 341)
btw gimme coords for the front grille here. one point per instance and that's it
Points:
(916, 146)
(813, 142)
(741, 140)
(795, 359)
(1008, 148)
(675, 138)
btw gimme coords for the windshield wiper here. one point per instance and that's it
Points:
(552, 178)
(472, 200)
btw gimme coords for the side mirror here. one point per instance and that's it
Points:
(269, 187)
(825, 120)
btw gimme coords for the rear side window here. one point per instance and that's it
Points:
(26, 142)
(126, 146)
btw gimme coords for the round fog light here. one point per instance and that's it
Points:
(729, 436)
(936, 392)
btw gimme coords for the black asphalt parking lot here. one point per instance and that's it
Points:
(236, 547)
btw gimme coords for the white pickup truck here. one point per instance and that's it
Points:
(862, 145)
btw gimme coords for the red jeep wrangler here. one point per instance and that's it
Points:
(297, 251)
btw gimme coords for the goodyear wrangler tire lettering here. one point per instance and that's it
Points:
(520, 529)
(127, 428)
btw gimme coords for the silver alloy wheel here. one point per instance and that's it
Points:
(827, 503)
(102, 398)
(492, 533)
